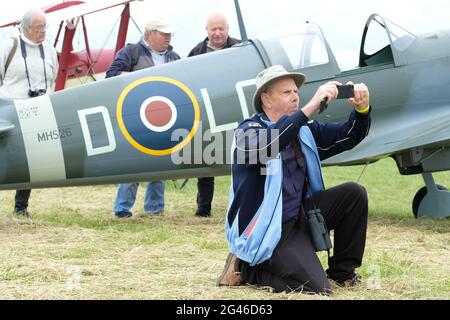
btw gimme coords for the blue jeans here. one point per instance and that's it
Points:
(153, 201)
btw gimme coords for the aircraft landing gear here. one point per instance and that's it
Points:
(432, 200)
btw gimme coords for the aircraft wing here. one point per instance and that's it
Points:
(397, 132)
(88, 8)
(72, 9)
(47, 9)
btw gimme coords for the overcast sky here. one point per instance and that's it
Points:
(341, 21)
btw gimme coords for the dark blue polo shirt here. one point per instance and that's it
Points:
(293, 184)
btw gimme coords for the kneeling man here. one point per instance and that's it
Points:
(277, 182)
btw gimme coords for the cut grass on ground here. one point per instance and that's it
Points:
(74, 248)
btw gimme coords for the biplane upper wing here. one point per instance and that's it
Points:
(89, 8)
(71, 9)
(47, 9)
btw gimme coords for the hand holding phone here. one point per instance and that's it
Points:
(346, 91)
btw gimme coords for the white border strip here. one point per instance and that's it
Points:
(45, 158)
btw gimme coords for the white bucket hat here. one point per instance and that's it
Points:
(267, 77)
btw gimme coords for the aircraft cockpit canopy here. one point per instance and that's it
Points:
(302, 45)
(383, 42)
(298, 47)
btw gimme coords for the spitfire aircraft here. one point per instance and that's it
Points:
(140, 126)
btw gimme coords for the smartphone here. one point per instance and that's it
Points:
(346, 92)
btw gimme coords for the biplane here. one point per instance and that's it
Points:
(89, 64)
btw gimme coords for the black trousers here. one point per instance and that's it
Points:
(294, 265)
(205, 194)
(21, 199)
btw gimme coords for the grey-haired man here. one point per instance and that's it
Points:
(267, 225)
(152, 50)
(28, 68)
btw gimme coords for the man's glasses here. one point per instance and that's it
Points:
(40, 27)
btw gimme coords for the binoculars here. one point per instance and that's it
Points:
(318, 231)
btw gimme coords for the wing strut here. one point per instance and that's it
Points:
(123, 28)
(64, 57)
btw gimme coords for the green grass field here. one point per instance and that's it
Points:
(73, 248)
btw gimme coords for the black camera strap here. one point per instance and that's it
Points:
(24, 55)
(301, 163)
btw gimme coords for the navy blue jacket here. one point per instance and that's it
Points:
(253, 223)
(134, 57)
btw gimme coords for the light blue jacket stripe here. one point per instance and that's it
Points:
(266, 233)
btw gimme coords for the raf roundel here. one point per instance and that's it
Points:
(159, 114)
(149, 111)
